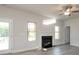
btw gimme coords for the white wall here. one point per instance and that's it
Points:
(49, 30)
(19, 40)
(61, 39)
(74, 30)
(19, 36)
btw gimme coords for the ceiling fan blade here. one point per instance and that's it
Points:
(61, 14)
(76, 11)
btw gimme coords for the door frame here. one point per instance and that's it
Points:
(10, 21)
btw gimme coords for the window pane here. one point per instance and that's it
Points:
(31, 27)
(32, 34)
(56, 32)
(56, 28)
(4, 35)
(56, 35)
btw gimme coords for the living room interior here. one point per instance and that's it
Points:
(39, 29)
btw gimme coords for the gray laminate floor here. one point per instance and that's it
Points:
(57, 50)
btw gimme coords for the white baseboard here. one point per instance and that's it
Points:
(22, 50)
(77, 45)
(4, 52)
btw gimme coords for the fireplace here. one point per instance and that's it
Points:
(46, 41)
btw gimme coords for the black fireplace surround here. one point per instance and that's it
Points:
(46, 41)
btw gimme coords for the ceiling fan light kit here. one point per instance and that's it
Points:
(66, 13)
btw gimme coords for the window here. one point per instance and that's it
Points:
(31, 31)
(4, 35)
(56, 32)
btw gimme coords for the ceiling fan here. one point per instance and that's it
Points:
(68, 10)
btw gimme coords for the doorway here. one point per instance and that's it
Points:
(5, 36)
(67, 34)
